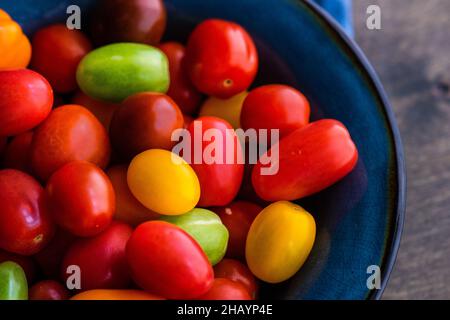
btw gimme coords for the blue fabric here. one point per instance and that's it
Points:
(341, 10)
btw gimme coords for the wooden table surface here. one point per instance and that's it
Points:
(411, 54)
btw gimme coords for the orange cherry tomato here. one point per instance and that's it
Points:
(115, 294)
(14, 44)
(70, 133)
(57, 51)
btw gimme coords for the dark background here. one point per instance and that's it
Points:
(411, 54)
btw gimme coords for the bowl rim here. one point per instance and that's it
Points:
(391, 250)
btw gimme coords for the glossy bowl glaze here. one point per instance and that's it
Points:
(360, 218)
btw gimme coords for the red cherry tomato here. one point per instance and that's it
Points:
(237, 217)
(48, 290)
(221, 58)
(70, 133)
(57, 51)
(238, 272)
(219, 182)
(27, 263)
(25, 226)
(181, 89)
(101, 259)
(275, 107)
(103, 111)
(165, 260)
(17, 153)
(81, 198)
(26, 99)
(225, 289)
(144, 121)
(310, 159)
(50, 258)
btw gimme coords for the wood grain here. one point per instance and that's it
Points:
(411, 54)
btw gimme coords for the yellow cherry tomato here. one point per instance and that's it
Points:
(229, 109)
(163, 182)
(14, 44)
(279, 241)
(115, 294)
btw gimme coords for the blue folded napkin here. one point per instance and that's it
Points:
(341, 10)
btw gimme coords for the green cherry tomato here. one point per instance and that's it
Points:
(206, 228)
(117, 71)
(13, 282)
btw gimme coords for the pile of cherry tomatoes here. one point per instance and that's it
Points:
(92, 203)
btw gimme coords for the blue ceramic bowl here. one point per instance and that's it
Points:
(359, 219)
